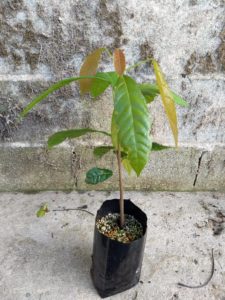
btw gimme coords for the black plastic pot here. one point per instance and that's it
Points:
(116, 266)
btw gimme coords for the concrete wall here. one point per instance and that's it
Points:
(43, 41)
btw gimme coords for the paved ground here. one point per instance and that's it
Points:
(49, 258)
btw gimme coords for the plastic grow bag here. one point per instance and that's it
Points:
(116, 266)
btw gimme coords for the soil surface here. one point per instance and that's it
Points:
(109, 226)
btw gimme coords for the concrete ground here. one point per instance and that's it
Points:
(49, 258)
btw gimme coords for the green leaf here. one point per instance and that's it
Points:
(61, 136)
(89, 68)
(132, 120)
(150, 91)
(102, 150)
(111, 77)
(98, 87)
(96, 175)
(102, 82)
(167, 100)
(52, 89)
(158, 147)
(42, 211)
(178, 100)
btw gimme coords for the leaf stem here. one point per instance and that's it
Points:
(108, 52)
(122, 218)
(142, 62)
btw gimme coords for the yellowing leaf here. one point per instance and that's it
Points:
(42, 211)
(127, 166)
(167, 100)
(119, 61)
(89, 68)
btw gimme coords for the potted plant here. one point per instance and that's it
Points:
(121, 227)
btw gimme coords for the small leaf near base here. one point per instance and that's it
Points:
(42, 211)
(96, 175)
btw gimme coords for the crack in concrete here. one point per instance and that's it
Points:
(75, 166)
(198, 169)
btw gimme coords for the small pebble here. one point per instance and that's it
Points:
(109, 226)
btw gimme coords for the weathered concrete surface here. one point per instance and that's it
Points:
(49, 258)
(41, 42)
(64, 168)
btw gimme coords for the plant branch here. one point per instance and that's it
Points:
(78, 208)
(142, 62)
(122, 218)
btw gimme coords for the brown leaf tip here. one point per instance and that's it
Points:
(119, 61)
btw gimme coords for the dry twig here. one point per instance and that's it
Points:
(206, 282)
(81, 208)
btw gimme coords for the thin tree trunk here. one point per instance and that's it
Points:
(122, 218)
